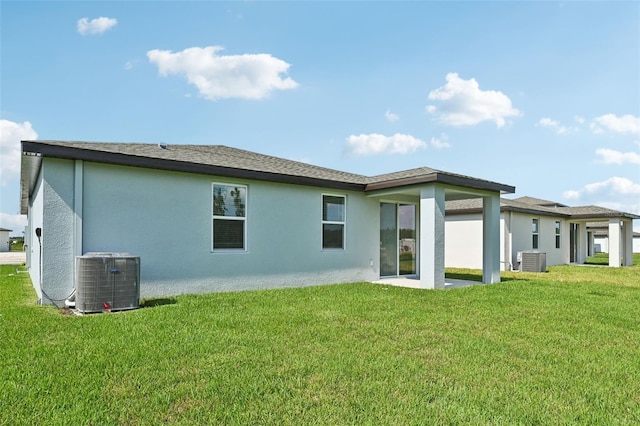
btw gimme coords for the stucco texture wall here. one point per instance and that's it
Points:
(463, 241)
(521, 229)
(165, 218)
(51, 209)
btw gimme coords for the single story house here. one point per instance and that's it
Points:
(213, 218)
(563, 233)
(5, 240)
(600, 232)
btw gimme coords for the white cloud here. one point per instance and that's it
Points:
(442, 142)
(462, 103)
(95, 26)
(611, 122)
(547, 122)
(609, 156)
(10, 151)
(248, 76)
(613, 187)
(556, 126)
(616, 193)
(15, 222)
(578, 119)
(391, 117)
(379, 144)
(571, 195)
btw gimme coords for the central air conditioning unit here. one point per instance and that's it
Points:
(533, 261)
(107, 282)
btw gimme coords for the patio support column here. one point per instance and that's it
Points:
(581, 254)
(491, 239)
(432, 237)
(614, 242)
(628, 242)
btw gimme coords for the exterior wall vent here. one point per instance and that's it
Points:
(533, 261)
(107, 282)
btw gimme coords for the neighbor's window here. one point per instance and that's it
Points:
(229, 216)
(557, 234)
(534, 233)
(333, 221)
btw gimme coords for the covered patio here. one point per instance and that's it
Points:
(585, 221)
(427, 190)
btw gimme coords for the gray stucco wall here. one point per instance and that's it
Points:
(34, 220)
(57, 229)
(165, 218)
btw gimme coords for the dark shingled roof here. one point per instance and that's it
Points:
(581, 212)
(539, 202)
(474, 205)
(588, 212)
(204, 155)
(221, 160)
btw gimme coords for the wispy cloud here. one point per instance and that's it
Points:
(391, 117)
(612, 123)
(11, 134)
(248, 76)
(462, 103)
(556, 126)
(614, 186)
(441, 142)
(95, 26)
(374, 143)
(610, 156)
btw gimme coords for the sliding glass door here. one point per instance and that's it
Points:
(397, 239)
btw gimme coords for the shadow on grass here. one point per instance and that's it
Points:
(152, 303)
(476, 277)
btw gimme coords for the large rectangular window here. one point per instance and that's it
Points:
(333, 221)
(229, 217)
(557, 234)
(535, 233)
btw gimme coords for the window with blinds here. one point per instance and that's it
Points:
(229, 231)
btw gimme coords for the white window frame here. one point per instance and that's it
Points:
(558, 234)
(244, 218)
(333, 222)
(535, 234)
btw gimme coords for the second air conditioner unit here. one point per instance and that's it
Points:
(533, 261)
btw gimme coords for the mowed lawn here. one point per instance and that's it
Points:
(556, 348)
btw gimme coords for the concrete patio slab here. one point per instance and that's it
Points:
(414, 282)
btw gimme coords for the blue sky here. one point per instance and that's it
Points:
(544, 96)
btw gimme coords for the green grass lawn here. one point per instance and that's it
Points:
(556, 348)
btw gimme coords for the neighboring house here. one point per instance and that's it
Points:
(5, 240)
(563, 233)
(214, 218)
(600, 234)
